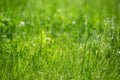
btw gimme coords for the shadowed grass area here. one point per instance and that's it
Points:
(59, 40)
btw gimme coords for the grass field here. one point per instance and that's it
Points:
(59, 40)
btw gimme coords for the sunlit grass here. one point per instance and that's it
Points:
(59, 40)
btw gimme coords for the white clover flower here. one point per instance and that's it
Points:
(22, 23)
(47, 39)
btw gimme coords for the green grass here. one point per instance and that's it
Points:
(59, 40)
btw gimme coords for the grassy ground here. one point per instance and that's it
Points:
(59, 40)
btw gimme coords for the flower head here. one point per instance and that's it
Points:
(22, 23)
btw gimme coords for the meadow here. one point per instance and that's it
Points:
(59, 40)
